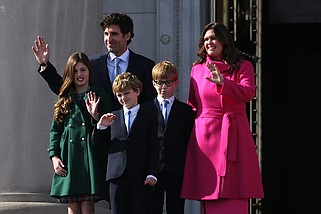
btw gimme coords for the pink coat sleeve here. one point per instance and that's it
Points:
(241, 85)
(191, 97)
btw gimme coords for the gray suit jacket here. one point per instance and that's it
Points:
(136, 152)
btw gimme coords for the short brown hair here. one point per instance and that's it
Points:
(126, 80)
(164, 70)
(122, 20)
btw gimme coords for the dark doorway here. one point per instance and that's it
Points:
(291, 95)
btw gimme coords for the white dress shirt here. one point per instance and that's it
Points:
(123, 64)
(169, 105)
(133, 115)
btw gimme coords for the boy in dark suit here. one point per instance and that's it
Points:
(174, 126)
(131, 134)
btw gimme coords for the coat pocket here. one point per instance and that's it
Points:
(116, 164)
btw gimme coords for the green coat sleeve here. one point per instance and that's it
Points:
(56, 131)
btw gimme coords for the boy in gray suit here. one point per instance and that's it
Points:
(131, 135)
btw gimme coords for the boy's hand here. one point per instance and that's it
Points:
(150, 181)
(107, 119)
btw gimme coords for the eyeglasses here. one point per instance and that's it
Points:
(168, 83)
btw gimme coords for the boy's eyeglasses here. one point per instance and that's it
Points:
(168, 83)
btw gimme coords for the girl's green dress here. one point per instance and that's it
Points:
(85, 162)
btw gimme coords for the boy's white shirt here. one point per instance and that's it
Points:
(169, 105)
(134, 112)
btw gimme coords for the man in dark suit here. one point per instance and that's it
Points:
(132, 167)
(175, 121)
(118, 32)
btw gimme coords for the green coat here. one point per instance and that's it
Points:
(71, 142)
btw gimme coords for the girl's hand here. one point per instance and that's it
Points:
(216, 74)
(58, 166)
(92, 105)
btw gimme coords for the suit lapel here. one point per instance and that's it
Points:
(173, 111)
(137, 118)
(160, 118)
(122, 125)
(131, 61)
(103, 70)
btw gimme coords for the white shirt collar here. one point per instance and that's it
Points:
(124, 57)
(170, 100)
(133, 110)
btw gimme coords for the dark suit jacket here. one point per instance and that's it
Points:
(136, 152)
(174, 136)
(137, 65)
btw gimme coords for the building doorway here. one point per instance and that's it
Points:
(291, 56)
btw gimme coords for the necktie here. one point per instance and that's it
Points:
(164, 110)
(128, 121)
(116, 68)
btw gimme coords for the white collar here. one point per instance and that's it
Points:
(124, 57)
(133, 110)
(170, 100)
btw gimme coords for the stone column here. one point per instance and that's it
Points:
(26, 101)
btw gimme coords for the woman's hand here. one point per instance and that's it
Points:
(216, 74)
(92, 105)
(41, 50)
(58, 166)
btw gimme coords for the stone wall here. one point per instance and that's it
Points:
(26, 101)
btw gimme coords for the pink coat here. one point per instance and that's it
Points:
(221, 159)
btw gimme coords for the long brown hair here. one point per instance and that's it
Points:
(61, 108)
(230, 53)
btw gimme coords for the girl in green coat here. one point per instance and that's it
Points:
(78, 164)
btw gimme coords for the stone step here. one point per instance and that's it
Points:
(37, 203)
(41, 208)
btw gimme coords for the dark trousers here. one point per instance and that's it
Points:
(130, 196)
(172, 185)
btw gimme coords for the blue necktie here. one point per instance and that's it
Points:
(116, 69)
(164, 110)
(128, 121)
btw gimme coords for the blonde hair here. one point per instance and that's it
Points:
(127, 80)
(164, 70)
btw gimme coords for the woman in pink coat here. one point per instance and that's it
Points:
(221, 169)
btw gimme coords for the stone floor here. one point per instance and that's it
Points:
(26, 203)
(40, 208)
(37, 203)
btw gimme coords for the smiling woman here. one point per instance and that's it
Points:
(221, 167)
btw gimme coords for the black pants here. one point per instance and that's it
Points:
(172, 185)
(130, 196)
